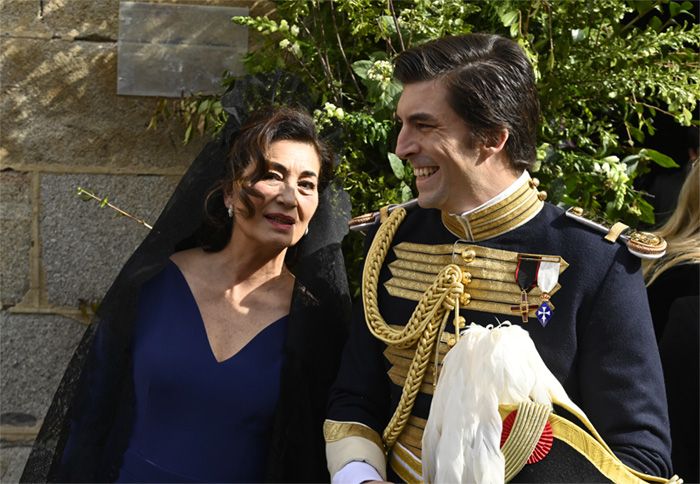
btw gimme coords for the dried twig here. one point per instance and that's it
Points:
(82, 193)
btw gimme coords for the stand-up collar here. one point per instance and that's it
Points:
(511, 208)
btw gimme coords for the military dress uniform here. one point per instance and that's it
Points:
(581, 299)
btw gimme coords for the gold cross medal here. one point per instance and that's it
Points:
(547, 278)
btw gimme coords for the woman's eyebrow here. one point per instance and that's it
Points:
(309, 173)
(273, 165)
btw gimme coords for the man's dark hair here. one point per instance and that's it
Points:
(490, 83)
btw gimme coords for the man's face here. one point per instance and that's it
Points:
(436, 141)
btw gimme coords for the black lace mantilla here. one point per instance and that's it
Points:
(320, 307)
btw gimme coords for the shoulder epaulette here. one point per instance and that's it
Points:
(363, 222)
(642, 244)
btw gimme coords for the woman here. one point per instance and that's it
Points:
(221, 372)
(673, 287)
(676, 274)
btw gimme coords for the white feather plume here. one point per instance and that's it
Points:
(487, 367)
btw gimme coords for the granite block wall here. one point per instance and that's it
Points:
(62, 125)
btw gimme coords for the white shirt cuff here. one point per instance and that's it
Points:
(356, 472)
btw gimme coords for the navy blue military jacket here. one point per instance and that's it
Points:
(599, 342)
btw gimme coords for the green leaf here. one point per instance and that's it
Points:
(675, 8)
(642, 6)
(204, 105)
(396, 166)
(655, 23)
(637, 134)
(361, 67)
(647, 211)
(509, 17)
(406, 193)
(658, 158)
(188, 134)
(514, 29)
(386, 23)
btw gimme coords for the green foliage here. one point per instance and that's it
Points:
(200, 114)
(601, 82)
(605, 69)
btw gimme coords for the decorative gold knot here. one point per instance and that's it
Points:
(465, 299)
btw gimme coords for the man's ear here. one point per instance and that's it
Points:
(494, 144)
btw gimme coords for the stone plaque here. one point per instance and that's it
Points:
(169, 50)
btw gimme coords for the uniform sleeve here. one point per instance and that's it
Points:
(359, 403)
(621, 382)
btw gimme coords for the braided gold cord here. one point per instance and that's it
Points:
(428, 318)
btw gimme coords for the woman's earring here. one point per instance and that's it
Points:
(306, 232)
(230, 212)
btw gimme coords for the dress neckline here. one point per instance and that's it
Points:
(203, 329)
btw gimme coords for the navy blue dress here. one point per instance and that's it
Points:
(198, 420)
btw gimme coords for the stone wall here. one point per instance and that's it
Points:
(62, 125)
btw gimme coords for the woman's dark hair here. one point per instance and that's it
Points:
(490, 83)
(249, 147)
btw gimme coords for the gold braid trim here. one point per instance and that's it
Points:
(428, 318)
(524, 435)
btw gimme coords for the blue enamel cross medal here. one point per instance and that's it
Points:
(544, 313)
(547, 277)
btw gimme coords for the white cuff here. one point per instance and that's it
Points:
(356, 472)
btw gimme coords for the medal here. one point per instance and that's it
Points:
(526, 278)
(547, 278)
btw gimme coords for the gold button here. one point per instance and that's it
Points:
(465, 298)
(451, 342)
(534, 183)
(542, 195)
(462, 322)
(468, 255)
(466, 277)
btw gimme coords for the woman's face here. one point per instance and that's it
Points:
(289, 199)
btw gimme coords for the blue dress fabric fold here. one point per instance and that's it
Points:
(197, 419)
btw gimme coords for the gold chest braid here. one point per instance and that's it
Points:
(487, 274)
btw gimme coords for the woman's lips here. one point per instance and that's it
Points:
(280, 220)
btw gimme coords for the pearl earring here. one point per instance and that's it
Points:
(230, 212)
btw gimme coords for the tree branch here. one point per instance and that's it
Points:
(396, 23)
(342, 53)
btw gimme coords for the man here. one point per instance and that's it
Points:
(469, 112)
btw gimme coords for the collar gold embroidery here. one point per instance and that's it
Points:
(498, 218)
